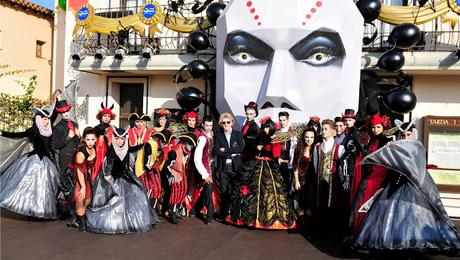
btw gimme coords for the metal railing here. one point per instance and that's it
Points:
(166, 42)
(436, 36)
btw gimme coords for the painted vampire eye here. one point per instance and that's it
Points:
(320, 58)
(243, 57)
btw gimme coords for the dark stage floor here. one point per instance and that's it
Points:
(191, 239)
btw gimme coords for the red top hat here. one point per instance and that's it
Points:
(349, 113)
(62, 106)
(252, 105)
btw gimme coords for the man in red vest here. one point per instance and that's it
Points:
(203, 161)
(138, 133)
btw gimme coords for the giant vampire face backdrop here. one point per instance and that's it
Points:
(299, 56)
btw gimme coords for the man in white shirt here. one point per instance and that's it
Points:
(203, 162)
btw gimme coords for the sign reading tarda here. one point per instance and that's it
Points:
(442, 139)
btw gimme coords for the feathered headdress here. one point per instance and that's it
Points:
(191, 114)
(315, 119)
(264, 120)
(163, 112)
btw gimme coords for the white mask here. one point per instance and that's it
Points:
(66, 115)
(299, 56)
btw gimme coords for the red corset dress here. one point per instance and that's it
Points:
(87, 168)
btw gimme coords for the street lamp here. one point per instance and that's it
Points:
(121, 52)
(79, 54)
(101, 53)
(147, 51)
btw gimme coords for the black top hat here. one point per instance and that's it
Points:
(349, 113)
(189, 138)
(62, 106)
(252, 105)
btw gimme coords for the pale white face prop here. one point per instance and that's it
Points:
(299, 56)
(66, 115)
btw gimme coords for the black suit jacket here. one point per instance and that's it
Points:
(236, 147)
(251, 140)
(65, 145)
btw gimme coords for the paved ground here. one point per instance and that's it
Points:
(191, 239)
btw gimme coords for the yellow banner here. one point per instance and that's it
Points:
(150, 15)
(148, 18)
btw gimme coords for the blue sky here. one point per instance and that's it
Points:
(46, 3)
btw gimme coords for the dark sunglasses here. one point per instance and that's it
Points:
(226, 122)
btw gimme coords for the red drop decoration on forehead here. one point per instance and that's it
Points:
(252, 10)
(313, 10)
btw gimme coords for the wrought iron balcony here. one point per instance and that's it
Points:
(166, 42)
(436, 36)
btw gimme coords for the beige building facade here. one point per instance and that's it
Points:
(26, 43)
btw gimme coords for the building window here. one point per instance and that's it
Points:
(39, 49)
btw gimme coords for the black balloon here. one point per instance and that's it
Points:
(197, 68)
(198, 40)
(400, 100)
(405, 35)
(392, 60)
(213, 12)
(189, 98)
(370, 9)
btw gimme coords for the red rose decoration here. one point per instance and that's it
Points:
(244, 191)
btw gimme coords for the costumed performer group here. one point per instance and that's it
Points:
(367, 183)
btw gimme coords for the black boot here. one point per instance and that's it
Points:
(74, 222)
(301, 224)
(172, 216)
(208, 219)
(82, 223)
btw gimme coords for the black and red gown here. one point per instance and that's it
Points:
(259, 197)
(373, 177)
(103, 142)
(87, 168)
(194, 181)
(304, 198)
